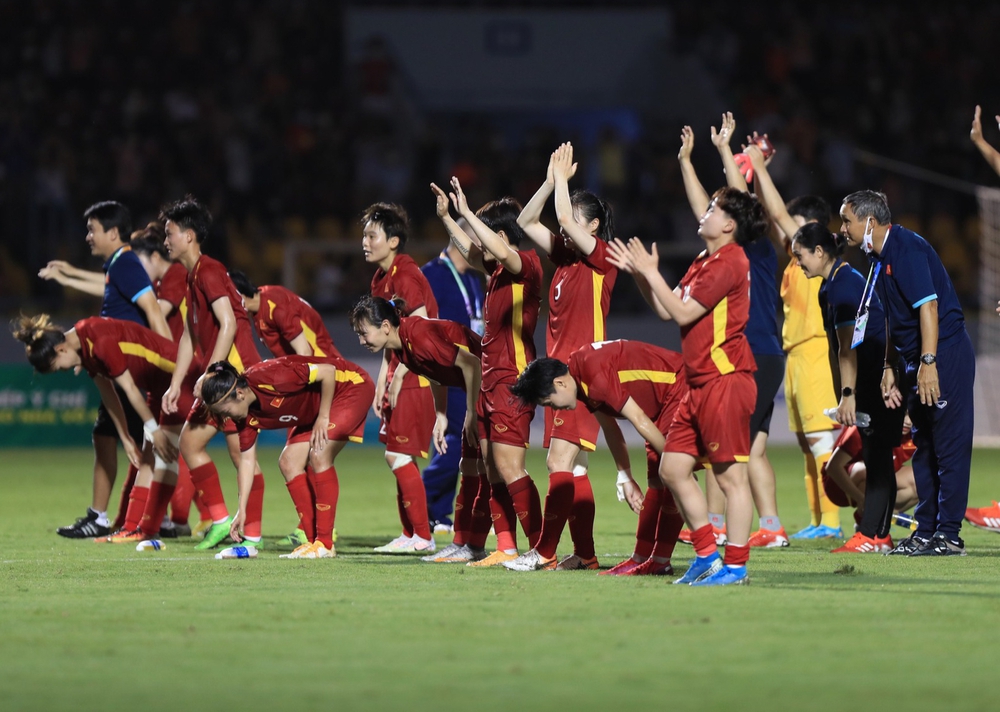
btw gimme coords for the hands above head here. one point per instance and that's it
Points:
(458, 198)
(561, 164)
(633, 257)
(687, 144)
(722, 137)
(441, 201)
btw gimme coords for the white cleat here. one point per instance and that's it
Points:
(401, 544)
(531, 561)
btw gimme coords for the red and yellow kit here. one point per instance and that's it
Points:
(208, 281)
(430, 347)
(283, 315)
(849, 441)
(173, 288)
(288, 397)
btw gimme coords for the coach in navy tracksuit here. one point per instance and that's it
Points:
(926, 324)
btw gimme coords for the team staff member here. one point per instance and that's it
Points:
(325, 402)
(126, 294)
(927, 327)
(712, 306)
(617, 379)
(402, 400)
(855, 323)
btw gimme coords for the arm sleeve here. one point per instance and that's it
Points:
(128, 277)
(598, 259)
(411, 287)
(845, 301)
(715, 281)
(173, 288)
(107, 351)
(286, 318)
(912, 273)
(214, 282)
(247, 435)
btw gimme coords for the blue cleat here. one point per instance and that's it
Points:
(820, 531)
(701, 567)
(806, 533)
(726, 576)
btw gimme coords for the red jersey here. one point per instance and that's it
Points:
(109, 347)
(430, 347)
(207, 282)
(850, 442)
(173, 288)
(715, 344)
(608, 373)
(579, 297)
(511, 311)
(283, 315)
(288, 395)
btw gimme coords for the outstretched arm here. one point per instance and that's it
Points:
(770, 196)
(991, 155)
(634, 256)
(490, 241)
(67, 275)
(459, 238)
(696, 194)
(563, 169)
(531, 214)
(721, 139)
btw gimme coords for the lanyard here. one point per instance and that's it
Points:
(866, 297)
(473, 314)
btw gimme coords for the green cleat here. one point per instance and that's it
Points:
(214, 536)
(296, 539)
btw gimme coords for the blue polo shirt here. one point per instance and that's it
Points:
(911, 275)
(762, 328)
(452, 303)
(125, 281)
(841, 295)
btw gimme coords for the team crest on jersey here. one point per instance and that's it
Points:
(500, 428)
(253, 422)
(276, 402)
(558, 421)
(322, 507)
(713, 446)
(402, 439)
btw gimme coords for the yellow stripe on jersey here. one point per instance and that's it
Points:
(183, 309)
(349, 377)
(423, 382)
(313, 373)
(720, 319)
(586, 388)
(267, 387)
(598, 313)
(311, 338)
(132, 349)
(235, 360)
(517, 322)
(270, 311)
(642, 375)
(462, 346)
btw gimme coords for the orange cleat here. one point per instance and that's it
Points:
(720, 535)
(767, 539)
(885, 544)
(987, 518)
(860, 544)
(649, 567)
(622, 569)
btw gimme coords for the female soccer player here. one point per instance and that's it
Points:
(448, 354)
(322, 403)
(122, 353)
(711, 305)
(579, 297)
(855, 323)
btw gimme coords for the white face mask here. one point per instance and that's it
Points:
(867, 244)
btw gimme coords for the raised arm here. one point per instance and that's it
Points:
(531, 215)
(696, 194)
(563, 169)
(721, 139)
(770, 196)
(991, 155)
(634, 256)
(490, 241)
(459, 237)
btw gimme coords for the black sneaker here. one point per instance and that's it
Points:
(84, 528)
(909, 545)
(940, 545)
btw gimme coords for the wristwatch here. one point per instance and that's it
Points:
(847, 391)
(928, 359)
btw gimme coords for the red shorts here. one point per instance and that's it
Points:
(347, 415)
(503, 418)
(712, 421)
(578, 426)
(663, 421)
(407, 428)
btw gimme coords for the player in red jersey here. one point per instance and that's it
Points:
(513, 297)
(579, 297)
(323, 402)
(449, 354)
(402, 400)
(126, 354)
(712, 306)
(618, 379)
(216, 329)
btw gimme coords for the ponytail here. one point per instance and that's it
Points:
(592, 207)
(40, 337)
(375, 310)
(219, 382)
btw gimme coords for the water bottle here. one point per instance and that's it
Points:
(907, 521)
(862, 420)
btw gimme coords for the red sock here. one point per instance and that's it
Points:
(736, 555)
(305, 507)
(703, 540)
(156, 506)
(558, 504)
(136, 507)
(180, 503)
(125, 500)
(206, 483)
(502, 513)
(581, 520)
(668, 526)
(482, 518)
(404, 518)
(527, 507)
(327, 489)
(255, 507)
(411, 488)
(645, 531)
(199, 502)
(467, 490)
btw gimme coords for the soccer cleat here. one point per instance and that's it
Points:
(495, 559)
(767, 539)
(702, 566)
(399, 544)
(720, 535)
(859, 544)
(907, 546)
(296, 539)
(531, 561)
(987, 518)
(884, 544)
(238, 552)
(576, 563)
(298, 550)
(941, 545)
(176, 531)
(215, 535)
(317, 550)
(649, 567)
(684, 536)
(820, 531)
(455, 554)
(806, 533)
(419, 545)
(622, 569)
(725, 576)
(443, 528)
(85, 527)
(108, 539)
(200, 528)
(124, 537)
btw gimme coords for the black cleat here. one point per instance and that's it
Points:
(84, 528)
(940, 545)
(909, 545)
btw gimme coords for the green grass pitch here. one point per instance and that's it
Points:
(88, 627)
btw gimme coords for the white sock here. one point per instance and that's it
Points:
(102, 518)
(220, 521)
